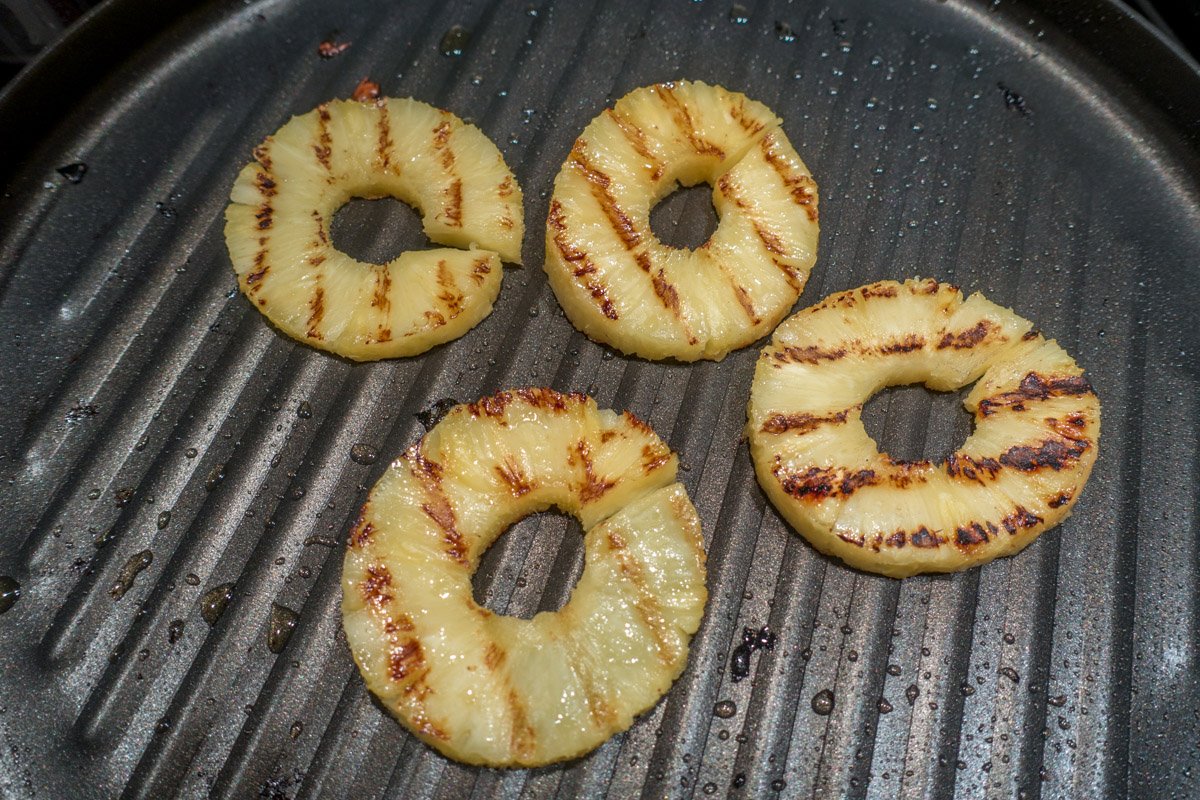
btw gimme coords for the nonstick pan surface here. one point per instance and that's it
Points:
(162, 441)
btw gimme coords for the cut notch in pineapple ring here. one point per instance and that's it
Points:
(277, 227)
(1037, 425)
(622, 286)
(497, 690)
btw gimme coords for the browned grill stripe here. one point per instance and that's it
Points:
(441, 143)
(685, 124)
(637, 140)
(581, 266)
(514, 478)
(454, 204)
(600, 182)
(316, 312)
(429, 474)
(381, 297)
(323, 147)
(535, 396)
(1035, 387)
(384, 147)
(801, 188)
(809, 354)
(480, 270)
(819, 483)
(1052, 454)
(801, 423)
(965, 340)
(374, 587)
(450, 296)
(592, 486)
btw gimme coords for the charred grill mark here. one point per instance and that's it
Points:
(450, 296)
(743, 298)
(1020, 519)
(750, 124)
(819, 483)
(505, 189)
(480, 270)
(362, 534)
(810, 354)
(535, 396)
(685, 123)
(262, 153)
(523, 738)
(582, 267)
(429, 474)
(964, 340)
(802, 188)
(261, 268)
(851, 538)
(322, 234)
(266, 186)
(316, 260)
(514, 478)
(323, 148)
(654, 457)
(592, 486)
(375, 586)
(264, 215)
(1034, 387)
(405, 659)
(960, 465)
(878, 290)
(923, 537)
(906, 345)
(381, 298)
(1061, 499)
(384, 146)
(454, 204)
(1053, 454)
(441, 143)
(967, 537)
(1030, 335)
(897, 539)
(435, 319)
(801, 423)
(666, 293)
(316, 313)
(600, 184)
(637, 140)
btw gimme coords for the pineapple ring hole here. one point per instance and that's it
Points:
(685, 219)
(553, 544)
(915, 423)
(377, 230)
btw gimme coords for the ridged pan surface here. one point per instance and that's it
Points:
(164, 446)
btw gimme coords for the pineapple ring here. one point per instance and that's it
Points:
(497, 690)
(277, 227)
(1037, 425)
(622, 286)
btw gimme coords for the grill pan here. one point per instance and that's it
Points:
(164, 440)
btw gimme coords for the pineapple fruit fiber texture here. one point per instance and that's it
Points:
(1037, 423)
(490, 689)
(620, 285)
(277, 227)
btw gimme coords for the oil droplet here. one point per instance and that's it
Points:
(967, 690)
(214, 601)
(175, 631)
(738, 14)
(283, 622)
(136, 563)
(1058, 701)
(739, 780)
(884, 706)
(192, 579)
(215, 476)
(1010, 673)
(784, 32)
(432, 414)
(710, 788)
(296, 729)
(10, 593)
(363, 454)
(822, 702)
(723, 735)
(164, 519)
(778, 785)
(893, 669)
(454, 41)
(304, 410)
(725, 709)
(911, 694)
(164, 724)
(73, 172)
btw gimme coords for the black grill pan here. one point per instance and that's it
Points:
(1043, 153)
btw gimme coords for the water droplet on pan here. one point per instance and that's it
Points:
(283, 622)
(725, 709)
(214, 601)
(10, 593)
(363, 454)
(454, 41)
(136, 563)
(822, 703)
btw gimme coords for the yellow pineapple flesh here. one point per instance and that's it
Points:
(622, 286)
(490, 689)
(1037, 423)
(277, 227)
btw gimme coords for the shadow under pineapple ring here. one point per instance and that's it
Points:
(277, 227)
(1037, 424)
(490, 689)
(622, 286)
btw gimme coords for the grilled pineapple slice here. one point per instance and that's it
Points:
(619, 285)
(1037, 423)
(496, 690)
(277, 227)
